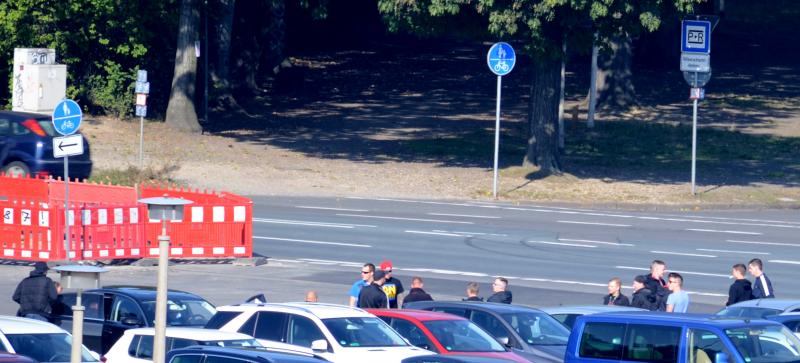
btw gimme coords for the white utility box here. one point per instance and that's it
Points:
(38, 84)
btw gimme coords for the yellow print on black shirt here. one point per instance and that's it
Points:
(390, 290)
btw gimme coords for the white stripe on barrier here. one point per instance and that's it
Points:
(134, 213)
(135, 252)
(44, 254)
(197, 250)
(8, 252)
(197, 214)
(25, 217)
(26, 254)
(103, 253)
(87, 254)
(239, 213)
(71, 254)
(218, 214)
(102, 216)
(8, 216)
(154, 251)
(176, 251)
(117, 215)
(71, 217)
(119, 252)
(238, 250)
(218, 250)
(87, 218)
(44, 218)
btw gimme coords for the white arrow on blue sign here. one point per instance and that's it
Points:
(67, 117)
(501, 58)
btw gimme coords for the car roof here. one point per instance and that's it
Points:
(322, 311)
(145, 292)
(6, 357)
(478, 305)
(25, 115)
(192, 333)
(587, 309)
(781, 304)
(16, 325)
(420, 315)
(651, 317)
(260, 354)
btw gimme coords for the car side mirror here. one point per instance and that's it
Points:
(319, 346)
(131, 322)
(721, 357)
(504, 341)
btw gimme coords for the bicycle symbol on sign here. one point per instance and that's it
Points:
(501, 66)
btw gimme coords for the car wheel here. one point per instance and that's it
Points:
(17, 169)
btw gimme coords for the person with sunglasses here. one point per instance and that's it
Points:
(366, 279)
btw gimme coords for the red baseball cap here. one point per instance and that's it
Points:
(386, 265)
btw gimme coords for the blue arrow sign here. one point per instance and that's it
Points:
(501, 58)
(67, 117)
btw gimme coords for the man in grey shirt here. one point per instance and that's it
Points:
(678, 300)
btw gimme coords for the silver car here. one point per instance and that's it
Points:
(567, 314)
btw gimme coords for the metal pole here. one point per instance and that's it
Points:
(496, 136)
(592, 86)
(205, 65)
(77, 330)
(159, 346)
(561, 97)
(66, 206)
(694, 138)
(141, 142)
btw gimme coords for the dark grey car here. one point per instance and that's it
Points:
(529, 332)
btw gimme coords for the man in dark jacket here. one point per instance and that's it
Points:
(417, 293)
(642, 296)
(36, 294)
(762, 286)
(740, 290)
(473, 289)
(372, 295)
(500, 295)
(614, 296)
(656, 284)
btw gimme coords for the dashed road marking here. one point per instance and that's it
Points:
(561, 244)
(720, 231)
(403, 218)
(437, 233)
(732, 251)
(463, 215)
(596, 223)
(313, 242)
(764, 243)
(683, 254)
(593, 241)
(330, 208)
(678, 271)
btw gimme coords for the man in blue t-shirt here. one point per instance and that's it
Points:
(678, 300)
(366, 278)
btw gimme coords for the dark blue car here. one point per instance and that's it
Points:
(26, 148)
(210, 354)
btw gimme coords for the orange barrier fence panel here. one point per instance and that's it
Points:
(90, 193)
(25, 231)
(14, 188)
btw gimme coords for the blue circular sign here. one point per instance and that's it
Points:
(67, 117)
(501, 58)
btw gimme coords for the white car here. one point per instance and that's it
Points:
(39, 340)
(337, 333)
(136, 345)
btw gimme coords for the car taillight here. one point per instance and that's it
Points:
(103, 359)
(32, 125)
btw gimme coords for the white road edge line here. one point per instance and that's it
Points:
(403, 219)
(678, 271)
(308, 223)
(683, 254)
(718, 231)
(329, 208)
(788, 262)
(437, 233)
(593, 241)
(562, 244)
(462, 215)
(731, 251)
(313, 242)
(596, 223)
(764, 243)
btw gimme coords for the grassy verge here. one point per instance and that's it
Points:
(133, 175)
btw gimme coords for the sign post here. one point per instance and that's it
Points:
(696, 67)
(67, 118)
(142, 90)
(501, 59)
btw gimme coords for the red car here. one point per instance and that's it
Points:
(445, 333)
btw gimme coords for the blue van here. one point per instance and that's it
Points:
(683, 338)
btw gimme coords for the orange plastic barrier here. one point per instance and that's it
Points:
(215, 225)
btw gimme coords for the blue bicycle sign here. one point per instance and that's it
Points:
(67, 117)
(501, 58)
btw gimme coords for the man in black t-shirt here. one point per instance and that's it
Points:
(392, 287)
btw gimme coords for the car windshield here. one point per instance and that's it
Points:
(748, 312)
(363, 332)
(462, 336)
(52, 347)
(774, 344)
(538, 328)
(182, 312)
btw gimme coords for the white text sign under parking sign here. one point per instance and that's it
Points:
(696, 36)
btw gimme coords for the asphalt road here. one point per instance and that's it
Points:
(554, 248)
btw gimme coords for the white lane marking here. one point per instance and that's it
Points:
(719, 231)
(329, 208)
(311, 224)
(730, 251)
(344, 263)
(596, 223)
(678, 271)
(437, 233)
(467, 233)
(683, 254)
(764, 243)
(593, 241)
(786, 262)
(403, 219)
(312, 241)
(444, 272)
(562, 244)
(463, 215)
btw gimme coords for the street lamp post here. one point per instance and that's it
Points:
(162, 209)
(79, 277)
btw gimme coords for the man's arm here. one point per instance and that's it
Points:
(670, 303)
(17, 293)
(352, 301)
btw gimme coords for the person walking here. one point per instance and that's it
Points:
(614, 296)
(472, 292)
(501, 295)
(642, 296)
(741, 289)
(392, 287)
(656, 284)
(762, 287)
(311, 296)
(678, 300)
(372, 296)
(416, 293)
(366, 278)
(36, 294)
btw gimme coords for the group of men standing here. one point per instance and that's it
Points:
(652, 292)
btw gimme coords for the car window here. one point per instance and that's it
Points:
(765, 344)
(537, 328)
(303, 331)
(141, 347)
(493, 325)
(748, 312)
(363, 332)
(221, 318)
(703, 347)
(270, 326)
(5, 126)
(602, 341)
(178, 343)
(414, 334)
(46, 347)
(63, 306)
(125, 308)
(651, 343)
(455, 311)
(189, 312)
(93, 304)
(186, 358)
(463, 336)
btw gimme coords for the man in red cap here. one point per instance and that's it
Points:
(392, 287)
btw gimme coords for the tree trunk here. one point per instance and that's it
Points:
(181, 114)
(614, 77)
(543, 117)
(220, 74)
